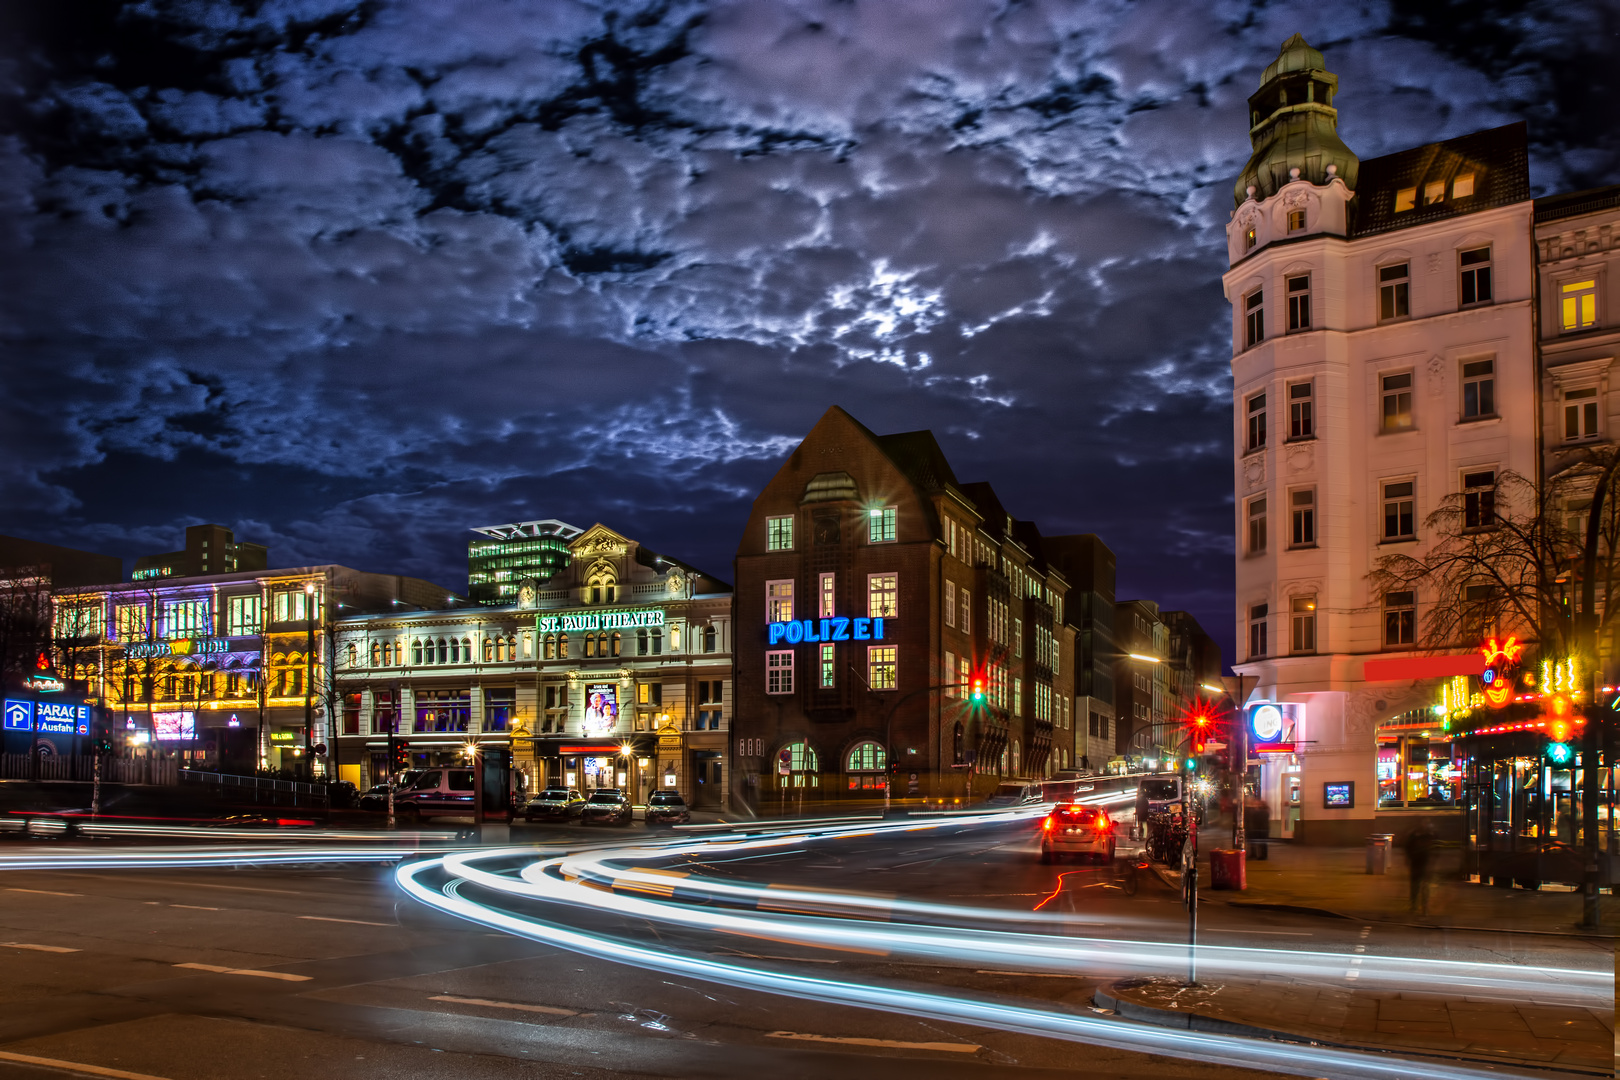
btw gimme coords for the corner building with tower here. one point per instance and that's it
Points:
(1386, 356)
(873, 591)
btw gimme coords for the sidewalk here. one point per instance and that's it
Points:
(1334, 881)
(1296, 1010)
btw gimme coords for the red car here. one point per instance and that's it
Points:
(1073, 829)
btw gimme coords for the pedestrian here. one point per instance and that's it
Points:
(1419, 851)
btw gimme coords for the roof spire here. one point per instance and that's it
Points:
(1293, 125)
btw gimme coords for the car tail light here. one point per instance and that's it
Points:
(1047, 824)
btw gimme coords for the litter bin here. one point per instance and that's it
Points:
(1378, 845)
(1228, 869)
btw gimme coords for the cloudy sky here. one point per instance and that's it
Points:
(352, 277)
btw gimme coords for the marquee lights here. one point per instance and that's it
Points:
(179, 647)
(831, 629)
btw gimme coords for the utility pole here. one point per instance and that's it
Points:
(1238, 688)
(1588, 645)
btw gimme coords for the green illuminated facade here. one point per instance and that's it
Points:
(504, 556)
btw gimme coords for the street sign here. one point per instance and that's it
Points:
(19, 715)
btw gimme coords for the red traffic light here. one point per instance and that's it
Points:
(977, 693)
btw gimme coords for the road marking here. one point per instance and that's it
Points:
(36, 948)
(283, 975)
(75, 1066)
(1030, 974)
(357, 922)
(892, 1044)
(789, 959)
(549, 1010)
(194, 907)
(44, 892)
(1274, 933)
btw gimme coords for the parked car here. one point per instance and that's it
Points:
(437, 793)
(1015, 793)
(607, 805)
(1072, 829)
(666, 807)
(374, 797)
(554, 803)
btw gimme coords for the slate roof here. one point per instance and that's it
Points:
(1498, 158)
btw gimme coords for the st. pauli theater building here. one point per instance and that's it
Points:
(875, 594)
(1507, 743)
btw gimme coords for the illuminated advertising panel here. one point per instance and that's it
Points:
(173, 726)
(61, 718)
(140, 650)
(1274, 722)
(601, 708)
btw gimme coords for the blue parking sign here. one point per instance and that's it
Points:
(19, 715)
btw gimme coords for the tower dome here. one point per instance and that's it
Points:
(1293, 125)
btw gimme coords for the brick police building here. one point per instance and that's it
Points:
(873, 590)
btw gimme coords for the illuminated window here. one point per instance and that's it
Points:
(1257, 525)
(1434, 192)
(778, 601)
(881, 667)
(1479, 500)
(881, 527)
(1302, 511)
(1475, 266)
(779, 534)
(1397, 402)
(802, 765)
(1301, 410)
(1580, 414)
(1399, 522)
(1248, 238)
(883, 595)
(1257, 631)
(1463, 186)
(129, 622)
(244, 616)
(550, 646)
(779, 672)
(187, 618)
(1394, 291)
(1578, 304)
(967, 612)
(1304, 625)
(1296, 221)
(828, 667)
(1400, 618)
(950, 603)
(376, 654)
(866, 757)
(292, 605)
(354, 661)
(1299, 303)
(1257, 421)
(562, 646)
(1254, 315)
(1479, 389)
(1405, 199)
(826, 593)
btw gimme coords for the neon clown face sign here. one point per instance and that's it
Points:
(1500, 661)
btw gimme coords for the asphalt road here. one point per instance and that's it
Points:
(331, 971)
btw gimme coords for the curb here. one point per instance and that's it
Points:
(1191, 1021)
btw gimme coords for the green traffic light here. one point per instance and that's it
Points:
(1559, 753)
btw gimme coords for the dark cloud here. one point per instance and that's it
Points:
(355, 276)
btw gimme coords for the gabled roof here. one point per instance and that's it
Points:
(1498, 158)
(917, 454)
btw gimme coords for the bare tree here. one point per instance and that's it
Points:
(25, 620)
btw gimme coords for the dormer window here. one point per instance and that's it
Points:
(1463, 186)
(1296, 221)
(1433, 192)
(1405, 199)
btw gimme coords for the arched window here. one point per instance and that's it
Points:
(388, 653)
(590, 645)
(710, 638)
(551, 647)
(803, 767)
(354, 656)
(675, 638)
(511, 648)
(444, 651)
(1016, 756)
(616, 643)
(655, 639)
(489, 649)
(416, 651)
(466, 651)
(562, 646)
(1001, 766)
(376, 654)
(867, 767)
(641, 643)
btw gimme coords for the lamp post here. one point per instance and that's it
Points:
(309, 679)
(1238, 688)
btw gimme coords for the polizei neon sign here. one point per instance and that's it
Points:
(599, 620)
(834, 629)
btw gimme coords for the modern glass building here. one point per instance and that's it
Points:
(504, 556)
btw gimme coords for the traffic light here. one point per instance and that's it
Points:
(1560, 753)
(402, 755)
(1192, 763)
(976, 694)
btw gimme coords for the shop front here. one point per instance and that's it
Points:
(587, 765)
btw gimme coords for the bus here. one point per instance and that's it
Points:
(1154, 793)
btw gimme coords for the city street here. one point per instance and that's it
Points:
(332, 970)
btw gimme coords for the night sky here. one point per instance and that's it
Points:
(352, 278)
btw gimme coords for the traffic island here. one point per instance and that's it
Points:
(1285, 1009)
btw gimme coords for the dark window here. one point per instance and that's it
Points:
(1393, 285)
(1476, 276)
(1255, 316)
(1580, 414)
(1301, 411)
(1257, 630)
(1302, 508)
(1397, 397)
(1399, 618)
(1399, 523)
(1299, 303)
(1479, 500)
(1257, 422)
(1479, 389)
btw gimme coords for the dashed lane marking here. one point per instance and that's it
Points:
(789, 959)
(43, 892)
(195, 907)
(357, 922)
(285, 976)
(36, 948)
(75, 1067)
(549, 1010)
(889, 1044)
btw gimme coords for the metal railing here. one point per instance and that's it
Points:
(82, 767)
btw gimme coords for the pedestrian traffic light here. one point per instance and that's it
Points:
(1192, 763)
(1559, 753)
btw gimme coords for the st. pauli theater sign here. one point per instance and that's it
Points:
(627, 619)
(836, 628)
